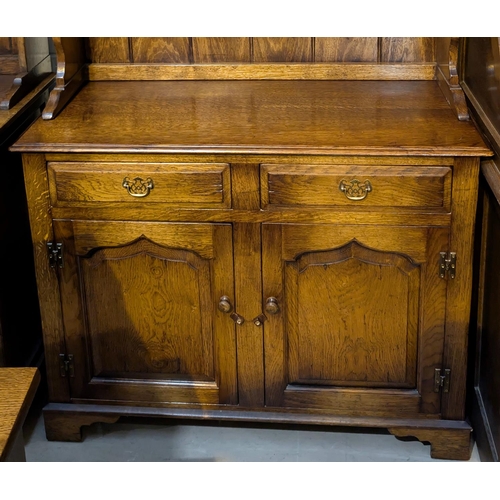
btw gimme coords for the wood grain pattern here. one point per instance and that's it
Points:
(327, 307)
(248, 286)
(329, 49)
(161, 50)
(308, 185)
(109, 49)
(302, 238)
(187, 184)
(138, 320)
(257, 159)
(356, 402)
(270, 49)
(367, 335)
(287, 49)
(67, 426)
(454, 445)
(94, 234)
(17, 390)
(263, 71)
(221, 49)
(407, 49)
(432, 320)
(160, 325)
(245, 186)
(20, 46)
(6, 45)
(9, 64)
(207, 117)
(16, 44)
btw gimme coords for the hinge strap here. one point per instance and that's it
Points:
(66, 365)
(55, 251)
(442, 381)
(447, 264)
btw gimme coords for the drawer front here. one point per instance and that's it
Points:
(422, 187)
(186, 185)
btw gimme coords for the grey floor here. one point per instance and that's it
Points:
(138, 440)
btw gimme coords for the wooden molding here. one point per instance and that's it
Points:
(265, 71)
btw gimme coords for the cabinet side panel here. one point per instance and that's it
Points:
(37, 191)
(464, 199)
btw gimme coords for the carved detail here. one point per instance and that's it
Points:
(72, 73)
(448, 77)
(355, 250)
(68, 426)
(447, 444)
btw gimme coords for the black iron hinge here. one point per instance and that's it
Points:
(55, 251)
(442, 381)
(447, 264)
(66, 365)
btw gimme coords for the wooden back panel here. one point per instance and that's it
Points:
(196, 50)
(9, 56)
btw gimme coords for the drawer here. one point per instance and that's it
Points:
(414, 187)
(184, 185)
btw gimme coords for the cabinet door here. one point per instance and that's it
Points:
(360, 325)
(140, 311)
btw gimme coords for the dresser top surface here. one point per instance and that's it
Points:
(262, 117)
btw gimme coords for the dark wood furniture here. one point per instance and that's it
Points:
(261, 248)
(481, 81)
(17, 390)
(20, 334)
(24, 63)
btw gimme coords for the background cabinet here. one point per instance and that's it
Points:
(23, 94)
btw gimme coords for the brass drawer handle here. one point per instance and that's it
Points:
(355, 190)
(138, 187)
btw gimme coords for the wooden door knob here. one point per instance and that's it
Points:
(225, 305)
(272, 306)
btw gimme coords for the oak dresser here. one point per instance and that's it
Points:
(287, 243)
